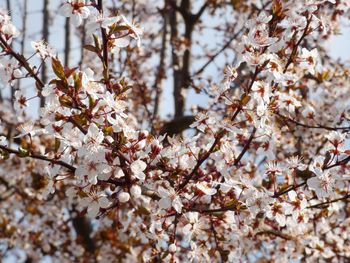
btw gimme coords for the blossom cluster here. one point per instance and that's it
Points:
(265, 173)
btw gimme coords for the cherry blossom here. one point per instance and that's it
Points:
(169, 199)
(137, 168)
(76, 10)
(43, 49)
(94, 202)
(259, 170)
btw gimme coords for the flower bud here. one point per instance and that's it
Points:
(172, 248)
(135, 191)
(123, 197)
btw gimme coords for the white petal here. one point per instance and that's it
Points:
(177, 204)
(122, 42)
(138, 166)
(93, 210)
(164, 203)
(103, 202)
(76, 20)
(66, 10)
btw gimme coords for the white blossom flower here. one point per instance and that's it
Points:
(75, 10)
(134, 29)
(336, 138)
(295, 162)
(137, 167)
(324, 183)
(92, 141)
(3, 141)
(9, 70)
(93, 167)
(27, 128)
(230, 73)
(135, 191)
(43, 49)
(172, 248)
(94, 202)
(196, 226)
(276, 211)
(308, 60)
(205, 188)
(169, 199)
(51, 174)
(6, 26)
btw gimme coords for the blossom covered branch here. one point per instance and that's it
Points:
(265, 165)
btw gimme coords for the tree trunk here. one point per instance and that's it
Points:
(45, 37)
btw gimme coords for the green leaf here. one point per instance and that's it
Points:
(58, 68)
(97, 42)
(57, 144)
(77, 82)
(66, 101)
(117, 28)
(23, 152)
(245, 99)
(92, 48)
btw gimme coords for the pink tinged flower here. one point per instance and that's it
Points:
(21, 101)
(272, 167)
(75, 10)
(261, 109)
(117, 105)
(259, 37)
(169, 199)
(257, 201)
(96, 21)
(10, 30)
(51, 174)
(118, 172)
(137, 168)
(17, 73)
(230, 73)
(196, 226)
(336, 138)
(200, 122)
(308, 112)
(27, 128)
(106, 22)
(261, 91)
(296, 204)
(323, 184)
(308, 59)
(94, 202)
(92, 140)
(94, 168)
(276, 212)
(42, 49)
(295, 162)
(9, 70)
(263, 18)
(288, 102)
(6, 27)
(205, 188)
(135, 31)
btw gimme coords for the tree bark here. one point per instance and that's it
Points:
(45, 37)
(67, 43)
(24, 34)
